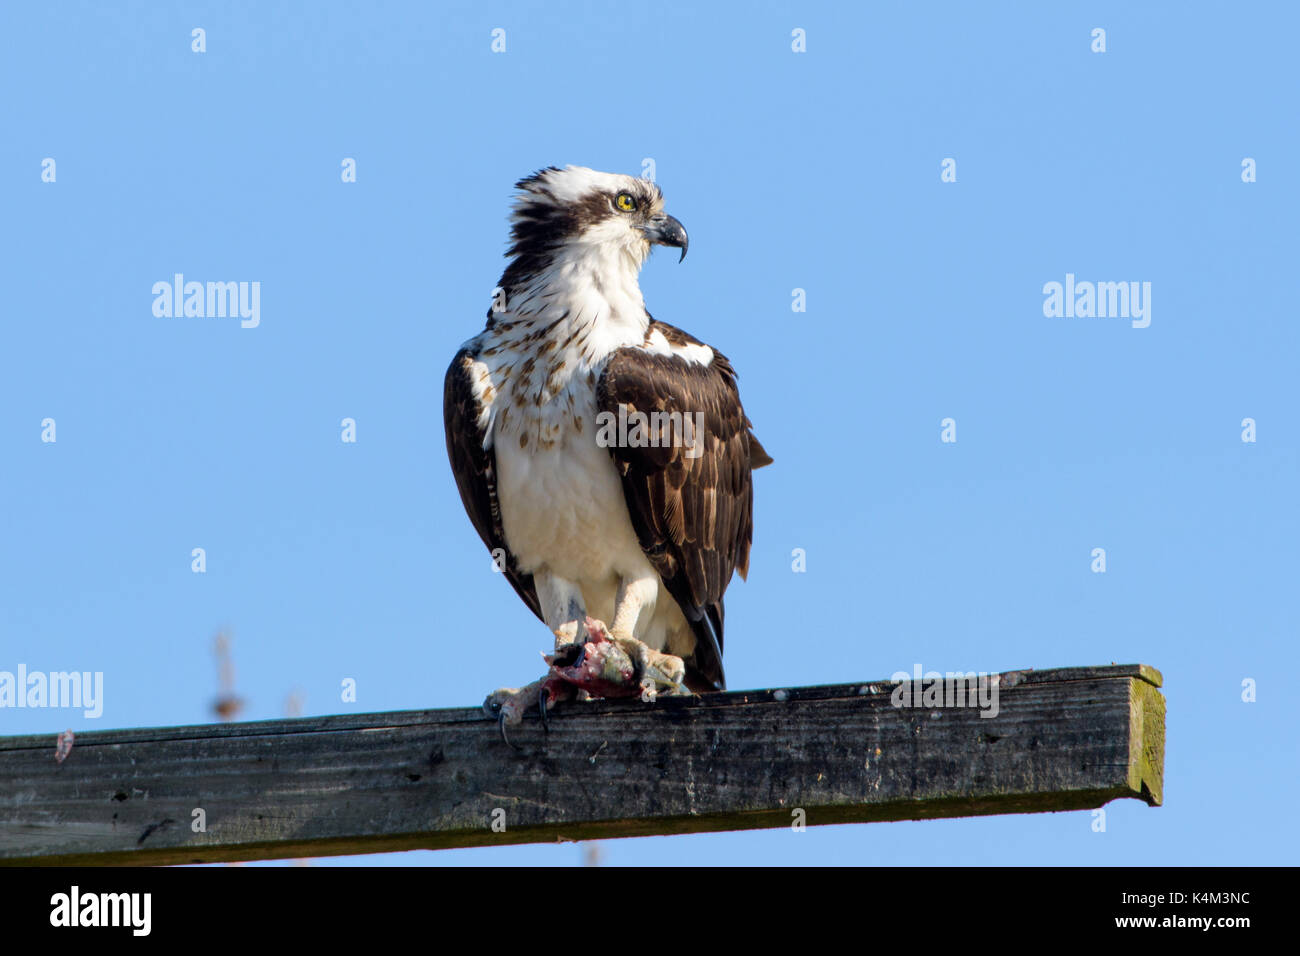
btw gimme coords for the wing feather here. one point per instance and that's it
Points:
(475, 469)
(692, 514)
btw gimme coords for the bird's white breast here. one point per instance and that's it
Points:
(562, 507)
(561, 498)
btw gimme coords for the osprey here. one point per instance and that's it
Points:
(603, 457)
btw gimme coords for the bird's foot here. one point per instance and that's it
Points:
(508, 704)
(604, 665)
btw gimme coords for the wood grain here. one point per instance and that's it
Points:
(1063, 739)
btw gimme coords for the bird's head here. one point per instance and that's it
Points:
(585, 210)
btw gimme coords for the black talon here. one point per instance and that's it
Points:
(570, 656)
(501, 725)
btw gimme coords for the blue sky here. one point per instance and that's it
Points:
(818, 171)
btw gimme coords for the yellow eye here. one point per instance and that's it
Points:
(625, 202)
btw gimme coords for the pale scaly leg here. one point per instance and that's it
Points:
(656, 671)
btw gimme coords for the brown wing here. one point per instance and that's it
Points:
(692, 512)
(475, 469)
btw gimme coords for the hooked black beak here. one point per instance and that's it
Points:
(667, 231)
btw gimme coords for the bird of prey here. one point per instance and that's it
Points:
(603, 456)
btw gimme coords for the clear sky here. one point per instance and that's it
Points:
(819, 170)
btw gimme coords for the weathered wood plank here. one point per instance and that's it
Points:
(1063, 739)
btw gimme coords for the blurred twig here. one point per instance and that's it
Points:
(228, 704)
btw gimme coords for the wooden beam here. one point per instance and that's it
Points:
(1064, 739)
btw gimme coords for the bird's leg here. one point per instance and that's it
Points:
(590, 659)
(657, 672)
(563, 607)
(635, 597)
